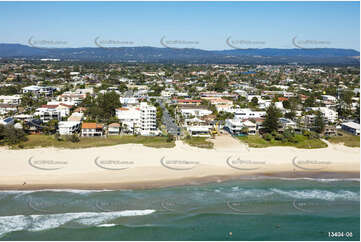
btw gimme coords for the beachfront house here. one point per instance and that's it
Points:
(199, 131)
(287, 123)
(68, 127)
(113, 129)
(234, 126)
(351, 127)
(91, 129)
(237, 126)
(328, 115)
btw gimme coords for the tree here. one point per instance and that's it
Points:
(310, 102)
(103, 107)
(254, 101)
(319, 123)
(347, 97)
(290, 115)
(271, 121)
(11, 136)
(286, 104)
(51, 126)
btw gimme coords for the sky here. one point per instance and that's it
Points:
(202, 25)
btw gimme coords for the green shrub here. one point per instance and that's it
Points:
(170, 138)
(267, 137)
(73, 138)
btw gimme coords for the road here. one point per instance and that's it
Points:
(169, 121)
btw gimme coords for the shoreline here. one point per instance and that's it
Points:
(134, 166)
(352, 176)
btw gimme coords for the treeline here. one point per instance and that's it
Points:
(11, 136)
(103, 107)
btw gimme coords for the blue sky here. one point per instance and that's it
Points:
(204, 25)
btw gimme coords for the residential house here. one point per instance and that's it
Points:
(39, 90)
(47, 113)
(234, 126)
(34, 126)
(68, 127)
(287, 123)
(199, 131)
(193, 110)
(129, 101)
(187, 101)
(91, 129)
(7, 121)
(114, 129)
(238, 126)
(13, 99)
(329, 115)
(7, 108)
(351, 127)
(75, 116)
(71, 98)
(246, 113)
(328, 99)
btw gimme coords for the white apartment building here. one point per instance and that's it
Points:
(140, 119)
(68, 127)
(129, 117)
(13, 99)
(148, 120)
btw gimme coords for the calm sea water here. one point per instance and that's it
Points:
(262, 209)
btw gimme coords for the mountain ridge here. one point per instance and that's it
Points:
(331, 56)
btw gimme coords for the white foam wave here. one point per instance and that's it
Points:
(320, 194)
(50, 221)
(244, 193)
(106, 225)
(322, 179)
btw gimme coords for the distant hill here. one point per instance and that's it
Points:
(327, 56)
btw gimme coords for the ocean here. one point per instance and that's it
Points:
(253, 209)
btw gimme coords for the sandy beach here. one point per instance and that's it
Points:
(134, 166)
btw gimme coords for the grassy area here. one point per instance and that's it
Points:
(86, 142)
(303, 142)
(346, 139)
(199, 142)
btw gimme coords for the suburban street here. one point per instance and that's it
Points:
(169, 121)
